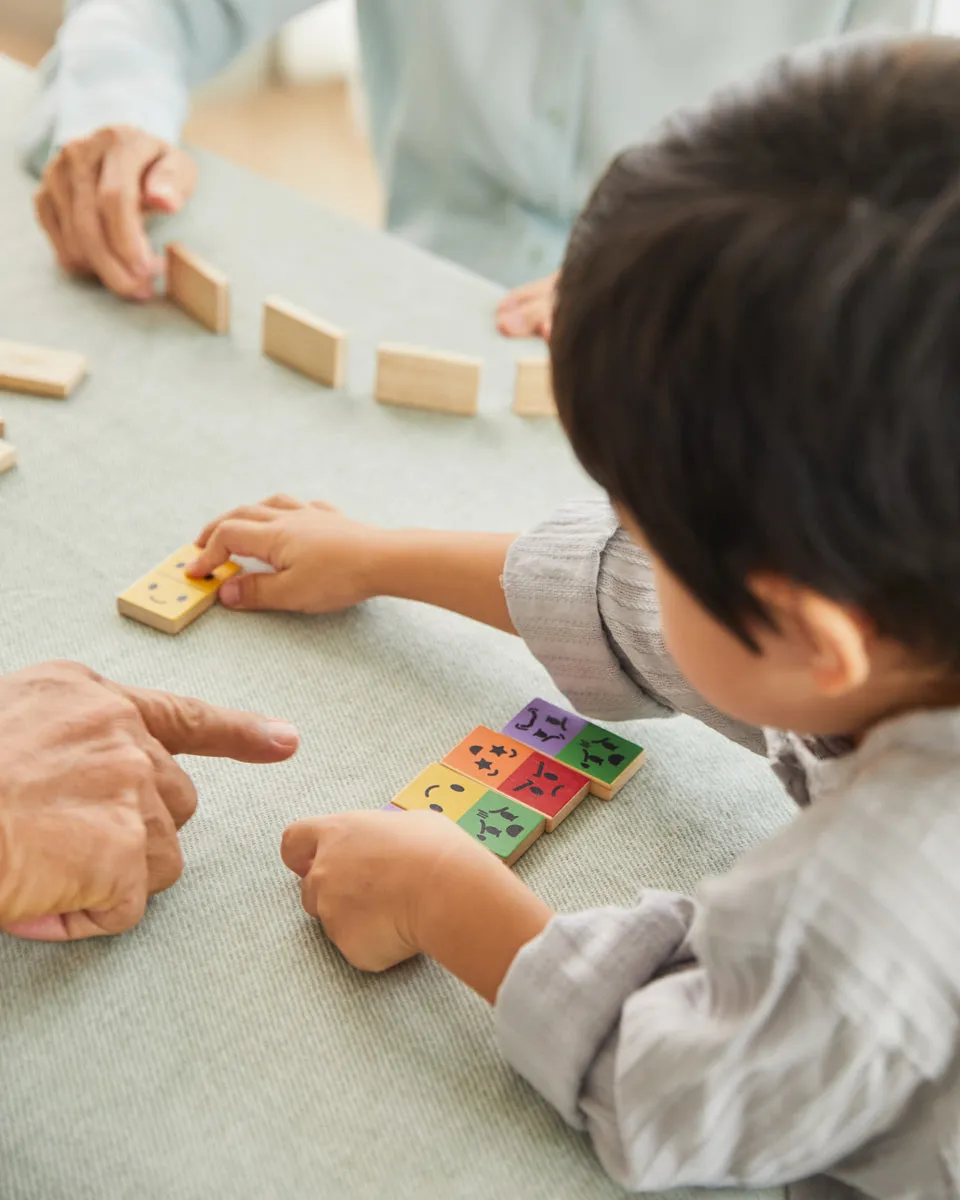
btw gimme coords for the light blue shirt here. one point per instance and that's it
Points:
(491, 119)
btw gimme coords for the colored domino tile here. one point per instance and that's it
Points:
(40, 370)
(544, 726)
(442, 790)
(487, 756)
(392, 808)
(167, 599)
(511, 768)
(607, 759)
(505, 827)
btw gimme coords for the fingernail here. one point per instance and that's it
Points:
(162, 191)
(230, 592)
(282, 734)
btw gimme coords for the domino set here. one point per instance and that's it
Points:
(506, 789)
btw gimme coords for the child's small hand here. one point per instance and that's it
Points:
(321, 558)
(366, 876)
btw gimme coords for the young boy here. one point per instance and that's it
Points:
(756, 352)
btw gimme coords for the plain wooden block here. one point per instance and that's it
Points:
(440, 790)
(8, 456)
(605, 758)
(40, 370)
(533, 391)
(3, 427)
(167, 599)
(299, 340)
(506, 828)
(416, 378)
(199, 289)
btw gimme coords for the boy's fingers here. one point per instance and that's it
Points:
(255, 590)
(248, 538)
(184, 725)
(298, 847)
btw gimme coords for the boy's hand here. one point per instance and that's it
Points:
(365, 876)
(321, 558)
(387, 886)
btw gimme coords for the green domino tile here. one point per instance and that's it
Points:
(501, 824)
(599, 753)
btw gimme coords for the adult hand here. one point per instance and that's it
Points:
(528, 311)
(91, 798)
(93, 197)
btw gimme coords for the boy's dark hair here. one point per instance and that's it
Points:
(756, 344)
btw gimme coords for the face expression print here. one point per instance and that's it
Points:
(545, 726)
(500, 825)
(441, 790)
(599, 753)
(488, 757)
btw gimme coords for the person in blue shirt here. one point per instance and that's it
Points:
(490, 120)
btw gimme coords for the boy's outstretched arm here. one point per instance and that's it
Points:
(324, 561)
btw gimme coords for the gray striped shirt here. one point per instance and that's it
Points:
(799, 1020)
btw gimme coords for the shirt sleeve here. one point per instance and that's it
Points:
(889, 16)
(770, 1059)
(133, 62)
(581, 595)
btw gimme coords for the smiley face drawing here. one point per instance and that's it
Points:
(441, 790)
(168, 596)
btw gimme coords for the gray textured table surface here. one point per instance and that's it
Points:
(224, 1048)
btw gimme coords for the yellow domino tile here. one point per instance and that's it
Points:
(164, 603)
(439, 789)
(174, 567)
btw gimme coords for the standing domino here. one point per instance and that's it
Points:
(533, 393)
(415, 378)
(299, 340)
(199, 289)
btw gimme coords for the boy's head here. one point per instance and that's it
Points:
(756, 351)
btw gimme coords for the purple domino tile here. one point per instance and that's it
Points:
(545, 727)
(391, 808)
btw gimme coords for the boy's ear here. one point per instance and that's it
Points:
(832, 635)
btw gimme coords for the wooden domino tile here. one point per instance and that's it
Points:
(606, 759)
(506, 828)
(8, 456)
(533, 391)
(167, 599)
(3, 427)
(199, 289)
(416, 378)
(519, 772)
(303, 342)
(442, 790)
(40, 370)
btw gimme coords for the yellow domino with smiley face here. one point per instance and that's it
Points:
(438, 789)
(164, 603)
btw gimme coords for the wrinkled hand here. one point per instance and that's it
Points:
(528, 311)
(320, 557)
(93, 197)
(91, 799)
(365, 876)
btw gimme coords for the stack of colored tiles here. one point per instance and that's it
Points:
(507, 788)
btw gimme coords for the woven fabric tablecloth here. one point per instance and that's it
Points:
(224, 1049)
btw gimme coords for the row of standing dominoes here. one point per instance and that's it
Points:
(406, 375)
(506, 789)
